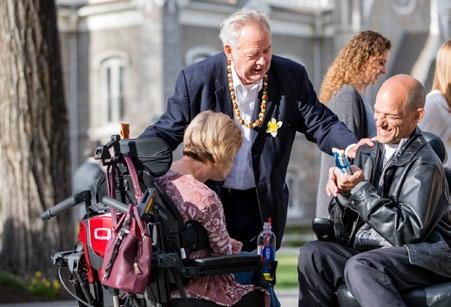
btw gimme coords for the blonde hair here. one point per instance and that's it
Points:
(351, 61)
(212, 137)
(442, 75)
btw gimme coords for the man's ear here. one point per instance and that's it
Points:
(419, 114)
(228, 50)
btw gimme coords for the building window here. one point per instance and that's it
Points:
(198, 54)
(112, 76)
(404, 7)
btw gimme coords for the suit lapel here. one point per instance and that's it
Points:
(223, 102)
(272, 106)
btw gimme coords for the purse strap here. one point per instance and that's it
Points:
(110, 181)
(134, 177)
(144, 230)
(137, 188)
(111, 193)
(138, 194)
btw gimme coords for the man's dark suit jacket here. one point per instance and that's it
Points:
(292, 100)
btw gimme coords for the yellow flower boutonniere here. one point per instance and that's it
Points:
(273, 126)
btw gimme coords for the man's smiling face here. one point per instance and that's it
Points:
(394, 118)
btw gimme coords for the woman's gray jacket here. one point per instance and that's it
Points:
(349, 107)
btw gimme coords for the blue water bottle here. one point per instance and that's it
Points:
(341, 161)
(266, 248)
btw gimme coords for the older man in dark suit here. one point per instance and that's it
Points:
(272, 98)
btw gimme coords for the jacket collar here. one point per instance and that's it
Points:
(271, 108)
(409, 149)
(406, 153)
(223, 100)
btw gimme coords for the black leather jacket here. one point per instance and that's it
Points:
(408, 205)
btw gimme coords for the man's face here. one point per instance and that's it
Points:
(252, 56)
(394, 121)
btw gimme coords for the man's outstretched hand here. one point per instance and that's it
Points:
(352, 151)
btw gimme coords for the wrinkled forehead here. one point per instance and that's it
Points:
(253, 30)
(391, 100)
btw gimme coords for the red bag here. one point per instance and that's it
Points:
(128, 254)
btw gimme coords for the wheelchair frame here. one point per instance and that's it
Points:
(173, 240)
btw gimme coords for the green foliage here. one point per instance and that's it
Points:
(298, 234)
(287, 273)
(38, 286)
(43, 287)
(11, 280)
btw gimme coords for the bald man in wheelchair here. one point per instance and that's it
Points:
(392, 231)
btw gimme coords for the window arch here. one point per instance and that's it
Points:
(198, 54)
(112, 76)
(111, 72)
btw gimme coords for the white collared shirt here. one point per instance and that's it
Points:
(391, 149)
(241, 176)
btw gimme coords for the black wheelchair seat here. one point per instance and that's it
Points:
(431, 296)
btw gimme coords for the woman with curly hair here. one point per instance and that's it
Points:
(358, 65)
(437, 109)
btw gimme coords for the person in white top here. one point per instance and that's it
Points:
(437, 108)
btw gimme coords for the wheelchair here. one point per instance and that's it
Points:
(172, 240)
(431, 296)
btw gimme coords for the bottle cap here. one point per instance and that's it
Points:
(267, 225)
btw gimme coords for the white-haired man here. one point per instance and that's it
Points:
(272, 98)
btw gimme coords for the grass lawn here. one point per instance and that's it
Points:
(287, 274)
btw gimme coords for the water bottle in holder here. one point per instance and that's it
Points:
(266, 248)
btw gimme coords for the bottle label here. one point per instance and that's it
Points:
(268, 253)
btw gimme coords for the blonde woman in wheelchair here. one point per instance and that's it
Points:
(210, 141)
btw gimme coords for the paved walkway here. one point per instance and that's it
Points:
(287, 298)
(44, 304)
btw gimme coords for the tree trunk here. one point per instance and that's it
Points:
(34, 155)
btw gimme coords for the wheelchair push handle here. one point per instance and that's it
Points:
(84, 196)
(115, 204)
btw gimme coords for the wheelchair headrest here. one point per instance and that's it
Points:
(436, 144)
(152, 152)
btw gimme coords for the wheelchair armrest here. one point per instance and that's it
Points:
(323, 229)
(222, 265)
(228, 260)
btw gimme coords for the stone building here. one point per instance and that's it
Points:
(121, 58)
